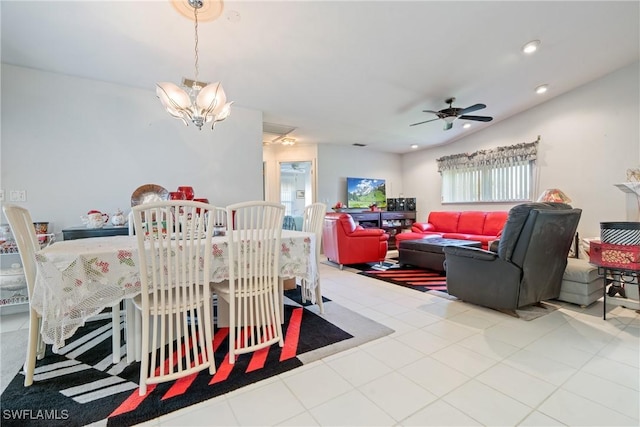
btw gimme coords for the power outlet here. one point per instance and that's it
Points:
(1, 195)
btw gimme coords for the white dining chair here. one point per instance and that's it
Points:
(312, 222)
(133, 323)
(174, 254)
(25, 234)
(252, 292)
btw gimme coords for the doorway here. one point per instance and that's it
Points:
(296, 190)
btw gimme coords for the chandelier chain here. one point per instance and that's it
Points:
(195, 17)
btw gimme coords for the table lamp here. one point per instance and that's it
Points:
(554, 195)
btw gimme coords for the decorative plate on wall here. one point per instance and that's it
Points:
(149, 193)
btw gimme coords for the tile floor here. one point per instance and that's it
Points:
(448, 363)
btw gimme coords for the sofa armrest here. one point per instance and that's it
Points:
(469, 252)
(367, 232)
(422, 227)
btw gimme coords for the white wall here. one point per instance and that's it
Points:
(76, 144)
(332, 165)
(337, 162)
(589, 138)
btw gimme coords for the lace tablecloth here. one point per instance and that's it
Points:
(77, 279)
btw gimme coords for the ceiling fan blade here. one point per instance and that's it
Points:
(448, 125)
(477, 118)
(426, 121)
(472, 108)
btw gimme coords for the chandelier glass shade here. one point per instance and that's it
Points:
(201, 103)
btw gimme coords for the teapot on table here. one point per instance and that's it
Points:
(95, 219)
(118, 219)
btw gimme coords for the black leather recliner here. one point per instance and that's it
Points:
(528, 266)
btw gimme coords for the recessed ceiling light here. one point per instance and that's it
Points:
(414, 146)
(542, 89)
(531, 47)
(466, 125)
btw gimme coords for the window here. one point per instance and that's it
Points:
(287, 192)
(505, 174)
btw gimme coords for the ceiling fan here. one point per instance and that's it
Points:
(452, 113)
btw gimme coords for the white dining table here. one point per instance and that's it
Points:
(78, 279)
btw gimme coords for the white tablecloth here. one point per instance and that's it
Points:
(77, 279)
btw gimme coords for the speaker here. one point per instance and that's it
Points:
(400, 204)
(410, 204)
(391, 204)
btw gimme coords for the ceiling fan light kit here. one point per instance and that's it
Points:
(201, 103)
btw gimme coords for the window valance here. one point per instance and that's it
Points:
(512, 154)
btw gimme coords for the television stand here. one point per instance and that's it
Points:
(393, 222)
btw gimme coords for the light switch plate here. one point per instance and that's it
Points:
(17, 195)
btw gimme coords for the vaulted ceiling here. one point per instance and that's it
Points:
(339, 72)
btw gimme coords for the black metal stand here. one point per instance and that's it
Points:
(617, 278)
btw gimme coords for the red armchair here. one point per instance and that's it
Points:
(345, 242)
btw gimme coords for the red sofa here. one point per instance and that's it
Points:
(480, 226)
(344, 242)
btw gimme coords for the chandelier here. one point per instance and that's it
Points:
(201, 103)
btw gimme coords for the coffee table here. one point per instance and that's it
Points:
(429, 253)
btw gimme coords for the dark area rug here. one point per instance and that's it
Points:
(420, 279)
(425, 280)
(84, 387)
(415, 278)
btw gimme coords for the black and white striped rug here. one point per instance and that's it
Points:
(81, 385)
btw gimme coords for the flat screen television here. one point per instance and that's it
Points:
(363, 192)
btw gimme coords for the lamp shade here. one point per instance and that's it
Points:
(554, 195)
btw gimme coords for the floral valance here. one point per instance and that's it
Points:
(512, 154)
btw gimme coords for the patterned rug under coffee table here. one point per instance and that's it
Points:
(435, 282)
(419, 279)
